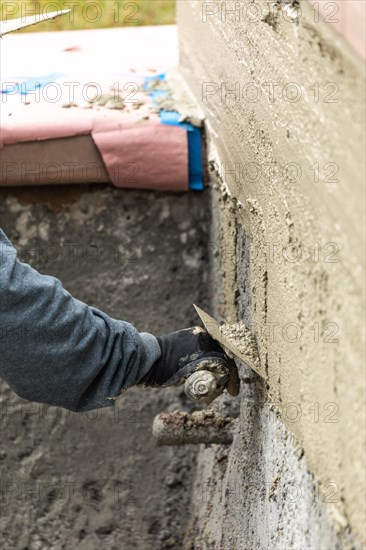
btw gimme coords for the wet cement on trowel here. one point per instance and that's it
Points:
(240, 343)
(236, 339)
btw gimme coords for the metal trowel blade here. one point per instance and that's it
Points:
(12, 25)
(229, 340)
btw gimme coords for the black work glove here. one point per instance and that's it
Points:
(182, 353)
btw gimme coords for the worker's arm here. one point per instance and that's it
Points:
(57, 350)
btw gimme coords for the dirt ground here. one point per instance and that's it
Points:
(96, 480)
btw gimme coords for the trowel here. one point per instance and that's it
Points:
(209, 380)
(212, 377)
(12, 25)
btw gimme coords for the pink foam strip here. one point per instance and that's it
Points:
(39, 122)
(137, 152)
(145, 156)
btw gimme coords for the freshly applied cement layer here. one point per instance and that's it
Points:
(292, 159)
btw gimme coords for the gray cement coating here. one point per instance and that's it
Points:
(284, 106)
(258, 493)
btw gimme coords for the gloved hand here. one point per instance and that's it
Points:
(182, 353)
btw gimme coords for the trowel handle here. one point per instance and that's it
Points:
(210, 378)
(205, 385)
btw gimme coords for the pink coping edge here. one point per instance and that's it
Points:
(147, 154)
(136, 152)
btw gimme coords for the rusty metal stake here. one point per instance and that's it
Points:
(182, 428)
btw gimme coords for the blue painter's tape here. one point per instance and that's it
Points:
(195, 159)
(172, 118)
(27, 85)
(194, 148)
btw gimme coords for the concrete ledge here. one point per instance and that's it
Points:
(80, 85)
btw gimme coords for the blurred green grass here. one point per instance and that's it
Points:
(94, 14)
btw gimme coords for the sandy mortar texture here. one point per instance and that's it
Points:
(288, 162)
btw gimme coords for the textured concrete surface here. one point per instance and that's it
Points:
(284, 105)
(348, 18)
(259, 494)
(97, 480)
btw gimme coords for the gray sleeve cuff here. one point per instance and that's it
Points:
(151, 355)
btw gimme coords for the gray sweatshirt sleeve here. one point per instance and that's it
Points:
(57, 350)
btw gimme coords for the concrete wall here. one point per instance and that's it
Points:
(97, 480)
(284, 104)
